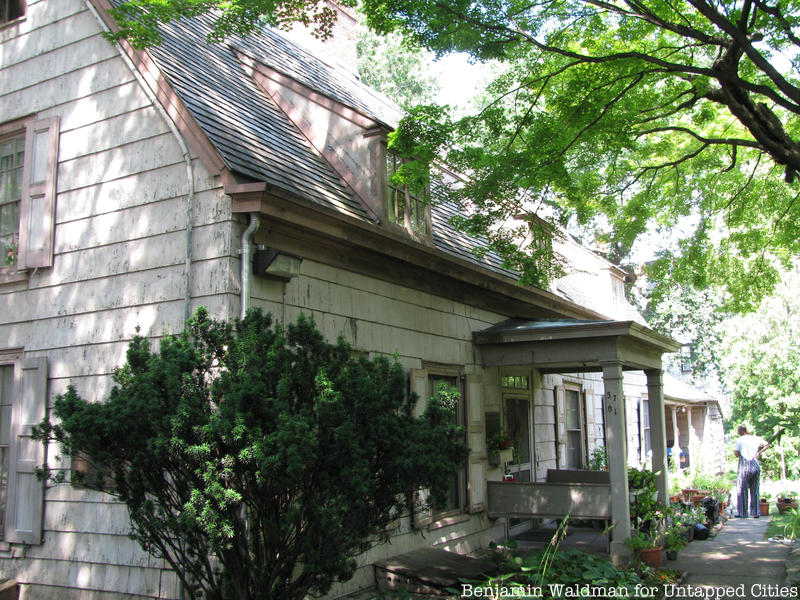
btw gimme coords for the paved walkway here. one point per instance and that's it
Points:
(738, 557)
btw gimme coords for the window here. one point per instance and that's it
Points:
(575, 429)
(12, 152)
(515, 382)
(644, 422)
(456, 493)
(403, 207)
(11, 9)
(28, 163)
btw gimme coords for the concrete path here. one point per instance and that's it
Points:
(738, 562)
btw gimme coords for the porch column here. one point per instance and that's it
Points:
(676, 440)
(616, 445)
(693, 451)
(658, 432)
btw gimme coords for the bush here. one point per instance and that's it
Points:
(259, 463)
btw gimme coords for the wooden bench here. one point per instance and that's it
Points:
(579, 494)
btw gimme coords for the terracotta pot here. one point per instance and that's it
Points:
(764, 506)
(652, 557)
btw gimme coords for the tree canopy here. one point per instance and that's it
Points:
(626, 116)
(760, 367)
(397, 68)
(259, 463)
(613, 117)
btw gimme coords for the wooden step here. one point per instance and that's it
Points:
(430, 571)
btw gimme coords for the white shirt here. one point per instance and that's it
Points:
(748, 445)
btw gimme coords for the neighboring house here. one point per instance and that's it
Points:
(137, 186)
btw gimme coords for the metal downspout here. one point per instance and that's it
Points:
(247, 259)
(187, 157)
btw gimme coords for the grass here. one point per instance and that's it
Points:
(777, 523)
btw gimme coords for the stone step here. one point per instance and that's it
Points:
(430, 571)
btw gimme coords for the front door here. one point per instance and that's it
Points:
(518, 426)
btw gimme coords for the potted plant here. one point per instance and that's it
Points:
(674, 540)
(686, 518)
(647, 540)
(648, 547)
(499, 448)
(785, 503)
(764, 507)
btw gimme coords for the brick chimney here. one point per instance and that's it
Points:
(338, 50)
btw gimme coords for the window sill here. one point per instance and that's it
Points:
(12, 275)
(12, 23)
(447, 521)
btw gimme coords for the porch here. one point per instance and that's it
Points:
(573, 346)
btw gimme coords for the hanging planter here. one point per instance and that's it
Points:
(501, 456)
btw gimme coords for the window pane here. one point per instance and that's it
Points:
(574, 450)
(573, 410)
(454, 491)
(518, 428)
(11, 159)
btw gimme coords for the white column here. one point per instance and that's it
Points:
(658, 432)
(693, 449)
(616, 444)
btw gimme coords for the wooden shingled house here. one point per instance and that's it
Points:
(136, 186)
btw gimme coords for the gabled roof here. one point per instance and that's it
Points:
(251, 134)
(256, 139)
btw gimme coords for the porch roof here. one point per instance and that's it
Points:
(572, 345)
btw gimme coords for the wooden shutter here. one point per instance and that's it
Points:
(25, 500)
(560, 405)
(476, 437)
(38, 201)
(421, 510)
(591, 432)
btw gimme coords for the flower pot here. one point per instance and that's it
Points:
(652, 557)
(503, 456)
(785, 505)
(764, 506)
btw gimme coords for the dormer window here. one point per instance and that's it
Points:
(405, 208)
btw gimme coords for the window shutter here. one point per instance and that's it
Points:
(421, 510)
(476, 474)
(25, 501)
(561, 426)
(38, 202)
(591, 430)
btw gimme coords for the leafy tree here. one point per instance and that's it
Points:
(675, 116)
(760, 366)
(693, 317)
(259, 463)
(396, 68)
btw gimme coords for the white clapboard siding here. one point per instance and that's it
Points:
(119, 260)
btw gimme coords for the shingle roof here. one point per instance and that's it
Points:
(250, 133)
(256, 139)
